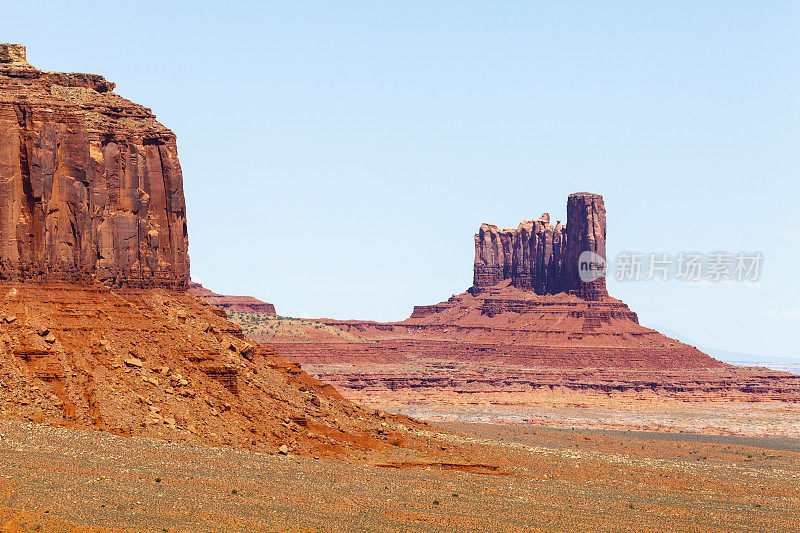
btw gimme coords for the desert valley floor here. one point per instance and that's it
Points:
(546, 479)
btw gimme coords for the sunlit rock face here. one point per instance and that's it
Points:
(90, 184)
(545, 258)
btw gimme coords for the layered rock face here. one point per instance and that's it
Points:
(540, 257)
(90, 184)
(507, 341)
(586, 232)
(506, 351)
(91, 190)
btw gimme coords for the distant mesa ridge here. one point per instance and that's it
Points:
(540, 257)
(530, 322)
(90, 184)
(231, 303)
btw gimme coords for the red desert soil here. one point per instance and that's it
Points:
(63, 479)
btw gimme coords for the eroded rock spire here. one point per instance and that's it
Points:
(543, 258)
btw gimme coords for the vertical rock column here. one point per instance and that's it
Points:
(491, 250)
(586, 232)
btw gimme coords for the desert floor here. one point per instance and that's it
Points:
(554, 479)
(561, 407)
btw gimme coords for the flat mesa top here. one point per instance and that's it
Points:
(585, 195)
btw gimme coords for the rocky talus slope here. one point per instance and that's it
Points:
(164, 364)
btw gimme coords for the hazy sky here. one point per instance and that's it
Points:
(338, 156)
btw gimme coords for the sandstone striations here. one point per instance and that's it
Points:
(231, 303)
(90, 183)
(509, 340)
(540, 257)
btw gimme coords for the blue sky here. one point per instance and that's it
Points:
(339, 156)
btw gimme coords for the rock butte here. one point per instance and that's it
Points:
(541, 258)
(529, 322)
(96, 326)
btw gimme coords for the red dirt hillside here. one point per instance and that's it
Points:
(164, 364)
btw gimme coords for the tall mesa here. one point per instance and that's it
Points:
(90, 184)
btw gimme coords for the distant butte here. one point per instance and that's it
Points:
(542, 258)
(528, 323)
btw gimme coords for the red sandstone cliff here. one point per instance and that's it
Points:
(90, 183)
(540, 257)
(91, 190)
